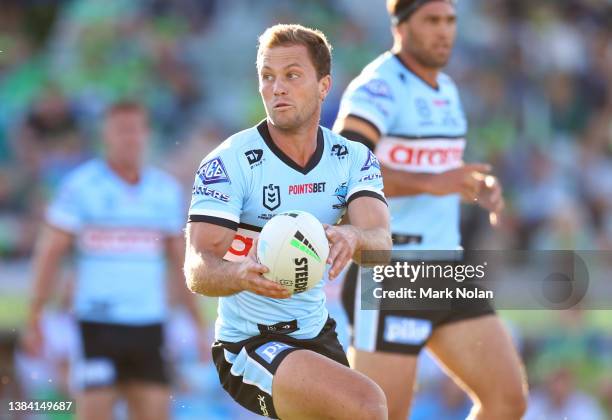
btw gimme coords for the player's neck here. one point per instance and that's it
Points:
(299, 144)
(127, 172)
(428, 74)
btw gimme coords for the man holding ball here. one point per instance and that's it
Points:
(272, 349)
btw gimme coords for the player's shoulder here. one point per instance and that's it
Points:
(380, 77)
(237, 144)
(446, 82)
(382, 66)
(85, 173)
(232, 156)
(342, 144)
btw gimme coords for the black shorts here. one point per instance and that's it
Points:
(113, 354)
(246, 368)
(404, 330)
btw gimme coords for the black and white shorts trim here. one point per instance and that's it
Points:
(246, 368)
(399, 331)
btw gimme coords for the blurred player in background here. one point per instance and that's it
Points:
(403, 107)
(279, 355)
(124, 220)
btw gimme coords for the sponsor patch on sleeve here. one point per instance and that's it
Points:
(377, 88)
(370, 161)
(213, 172)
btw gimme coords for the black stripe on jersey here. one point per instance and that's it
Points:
(358, 137)
(436, 87)
(314, 159)
(249, 227)
(365, 120)
(219, 221)
(366, 193)
(428, 137)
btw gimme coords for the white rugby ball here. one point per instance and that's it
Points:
(294, 247)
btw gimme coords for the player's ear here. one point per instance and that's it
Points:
(324, 86)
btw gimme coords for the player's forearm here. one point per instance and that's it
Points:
(209, 275)
(374, 239)
(401, 183)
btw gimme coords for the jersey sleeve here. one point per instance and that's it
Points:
(365, 178)
(65, 210)
(370, 98)
(218, 190)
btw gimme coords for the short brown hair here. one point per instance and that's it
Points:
(393, 6)
(319, 48)
(126, 105)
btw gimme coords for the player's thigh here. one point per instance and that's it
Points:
(95, 403)
(393, 372)
(147, 400)
(479, 354)
(308, 385)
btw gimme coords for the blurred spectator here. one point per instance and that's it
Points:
(559, 399)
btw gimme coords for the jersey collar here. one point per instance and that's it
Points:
(314, 160)
(407, 67)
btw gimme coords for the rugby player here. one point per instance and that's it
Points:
(279, 355)
(405, 109)
(125, 222)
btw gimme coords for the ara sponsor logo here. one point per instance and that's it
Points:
(241, 245)
(213, 172)
(430, 156)
(262, 405)
(310, 188)
(209, 192)
(254, 157)
(339, 150)
(371, 161)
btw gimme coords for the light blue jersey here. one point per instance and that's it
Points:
(245, 182)
(120, 230)
(422, 129)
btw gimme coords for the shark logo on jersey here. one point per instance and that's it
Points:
(254, 156)
(370, 161)
(271, 197)
(340, 194)
(339, 150)
(213, 172)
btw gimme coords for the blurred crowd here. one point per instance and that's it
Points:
(535, 79)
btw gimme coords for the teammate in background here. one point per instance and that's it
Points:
(279, 355)
(124, 220)
(402, 106)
